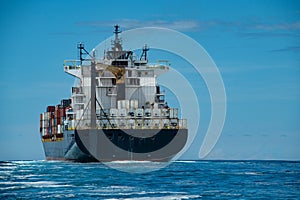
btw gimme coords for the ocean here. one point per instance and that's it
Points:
(179, 180)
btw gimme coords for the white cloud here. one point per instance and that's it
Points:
(180, 25)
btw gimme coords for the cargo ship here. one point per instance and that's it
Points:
(116, 111)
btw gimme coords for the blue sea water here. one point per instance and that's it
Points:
(179, 180)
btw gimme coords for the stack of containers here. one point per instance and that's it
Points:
(173, 114)
(57, 119)
(44, 123)
(50, 110)
(51, 121)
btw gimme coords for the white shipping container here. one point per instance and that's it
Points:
(46, 116)
(122, 122)
(104, 123)
(59, 129)
(156, 122)
(165, 112)
(166, 122)
(131, 123)
(131, 113)
(174, 122)
(125, 104)
(114, 123)
(46, 123)
(148, 112)
(44, 131)
(134, 104)
(148, 122)
(173, 112)
(104, 112)
(122, 112)
(139, 123)
(119, 106)
(156, 112)
(139, 112)
(113, 112)
(182, 123)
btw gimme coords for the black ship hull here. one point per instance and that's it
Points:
(105, 145)
(131, 144)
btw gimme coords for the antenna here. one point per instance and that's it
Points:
(117, 31)
(117, 46)
(82, 51)
(144, 54)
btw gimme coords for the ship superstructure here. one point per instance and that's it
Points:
(117, 111)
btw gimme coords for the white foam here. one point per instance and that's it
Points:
(38, 184)
(128, 162)
(169, 197)
(185, 161)
(252, 173)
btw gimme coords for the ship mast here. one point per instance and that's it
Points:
(117, 46)
(93, 90)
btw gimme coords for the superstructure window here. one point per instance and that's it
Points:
(129, 73)
(119, 63)
(113, 81)
(133, 81)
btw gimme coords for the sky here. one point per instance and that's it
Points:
(255, 45)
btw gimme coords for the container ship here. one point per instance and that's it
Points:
(116, 110)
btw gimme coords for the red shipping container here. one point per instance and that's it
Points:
(50, 108)
(57, 114)
(58, 121)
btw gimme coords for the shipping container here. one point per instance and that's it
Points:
(147, 122)
(122, 123)
(57, 113)
(139, 112)
(174, 122)
(44, 131)
(122, 112)
(182, 123)
(104, 113)
(113, 112)
(114, 123)
(131, 112)
(45, 116)
(165, 112)
(156, 123)
(63, 112)
(57, 107)
(50, 108)
(166, 123)
(131, 123)
(58, 121)
(123, 104)
(41, 121)
(139, 122)
(173, 112)
(59, 129)
(134, 104)
(66, 102)
(156, 112)
(148, 112)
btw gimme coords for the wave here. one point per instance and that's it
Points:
(185, 161)
(128, 162)
(168, 197)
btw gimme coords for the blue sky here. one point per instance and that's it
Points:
(255, 44)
